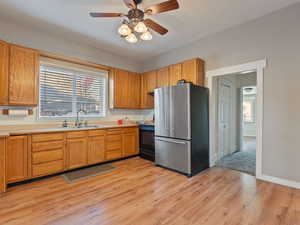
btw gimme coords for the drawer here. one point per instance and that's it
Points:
(130, 129)
(114, 145)
(96, 133)
(45, 146)
(110, 155)
(112, 138)
(47, 168)
(48, 156)
(114, 131)
(47, 137)
(76, 134)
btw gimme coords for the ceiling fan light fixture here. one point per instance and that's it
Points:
(147, 36)
(140, 27)
(124, 30)
(131, 38)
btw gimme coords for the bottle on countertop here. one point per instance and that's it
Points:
(65, 123)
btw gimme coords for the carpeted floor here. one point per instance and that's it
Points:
(244, 161)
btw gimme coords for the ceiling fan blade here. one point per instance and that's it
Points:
(106, 14)
(130, 4)
(162, 7)
(155, 26)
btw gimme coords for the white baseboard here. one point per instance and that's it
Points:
(280, 181)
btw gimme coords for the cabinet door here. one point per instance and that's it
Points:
(148, 86)
(193, 71)
(162, 77)
(121, 88)
(2, 165)
(175, 73)
(130, 143)
(4, 59)
(96, 151)
(77, 152)
(23, 75)
(134, 90)
(17, 159)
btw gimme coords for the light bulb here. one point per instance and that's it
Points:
(124, 30)
(147, 36)
(140, 27)
(131, 38)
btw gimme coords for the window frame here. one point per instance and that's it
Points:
(75, 71)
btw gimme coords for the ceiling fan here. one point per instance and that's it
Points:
(135, 24)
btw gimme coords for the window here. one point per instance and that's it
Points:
(248, 111)
(63, 92)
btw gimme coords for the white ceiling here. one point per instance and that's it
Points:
(195, 19)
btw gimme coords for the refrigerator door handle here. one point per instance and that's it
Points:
(166, 126)
(171, 141)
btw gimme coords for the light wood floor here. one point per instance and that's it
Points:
(138, 193)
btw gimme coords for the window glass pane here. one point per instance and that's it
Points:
(64, 92)
(89, 92)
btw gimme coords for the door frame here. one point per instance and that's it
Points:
(258, 67)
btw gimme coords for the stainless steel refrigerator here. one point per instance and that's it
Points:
(182, 128)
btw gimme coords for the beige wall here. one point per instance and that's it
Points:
(277, 37)
(22, 35)
(27, 36)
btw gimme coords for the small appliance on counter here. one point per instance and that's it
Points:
(182, 128)
(147, 147)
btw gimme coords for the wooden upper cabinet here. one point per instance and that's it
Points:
(193, 71)
(4, 59)
(23, 76)
(162, 77)
(120, 81)
(175, 73)
(124, 89)
(148, 85)
(17, 159)
(134, 90)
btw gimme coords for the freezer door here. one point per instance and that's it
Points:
(173, 154)
(162, 111)
(180, 115)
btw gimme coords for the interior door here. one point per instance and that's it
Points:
(162, 111)
(180, 121)
(224, 116)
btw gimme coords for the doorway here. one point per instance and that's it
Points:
(237, 122)
(212, 75)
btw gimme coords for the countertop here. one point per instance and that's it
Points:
(4, 134)
(62, 129)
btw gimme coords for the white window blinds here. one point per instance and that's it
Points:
(64, 92)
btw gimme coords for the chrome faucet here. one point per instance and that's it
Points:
(77, 121)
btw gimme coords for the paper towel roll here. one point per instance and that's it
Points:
(18, 112)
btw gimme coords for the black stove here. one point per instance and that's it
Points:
(147, 146)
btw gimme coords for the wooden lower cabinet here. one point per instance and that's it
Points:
(38, 155)
(114, 147)
(17, 159)
(51, 167)
(96, 149)
(2, 164)
(130, 142)
(47, 154)
(77, 152)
